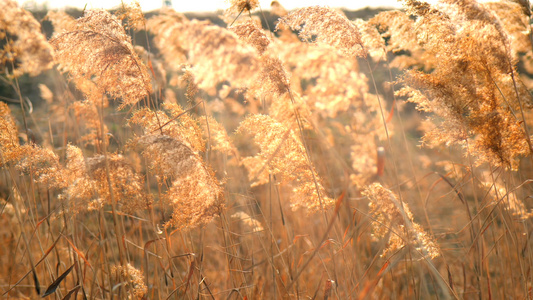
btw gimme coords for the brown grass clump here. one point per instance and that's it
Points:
(25, 49)
(99, 50)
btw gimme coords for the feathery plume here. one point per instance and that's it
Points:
(10, 148)
(250, 224)
(158, 74)
(88, 186)
(195, 195)
(25, 49)
(216, 54)
(220, 141)
(283, 154)
(131, 14)
(45, 166)
(471, 89)
(398, 33)
(239, 6)
(87, 116)
(99, 50)
(328, 26)
(372, 39)
(394, 219)
(252, 34)
(277, 9)
(165, 28)
(61, 21)
(134, 279)
(273, 78)
(180, 125)
(501, 194)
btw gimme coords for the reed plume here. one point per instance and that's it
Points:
(251, 224)
(251, 33)
(132, 16)
(240, 6)
(10, 148)
(216, 54)
(473, 90)
(61, 21)
(195, 195)
(219, 136)
(399, 36)
(44, 165)
(88, 118)
(83, 181)
(502, 194)
(99, 50)
(327, 26)
(283, 154)
(25, 49)
(179, 125)
(392, 219)
(133, 278)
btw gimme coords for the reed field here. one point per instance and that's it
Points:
(316, 156)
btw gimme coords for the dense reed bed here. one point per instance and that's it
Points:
(324, 158)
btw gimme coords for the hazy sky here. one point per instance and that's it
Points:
(208, 5)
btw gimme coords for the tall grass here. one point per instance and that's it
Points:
(323, 158)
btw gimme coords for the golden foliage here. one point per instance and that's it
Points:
(233, 100)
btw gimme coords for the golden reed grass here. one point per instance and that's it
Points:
(387, 156)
